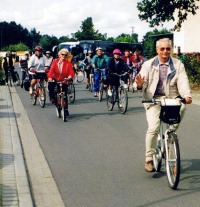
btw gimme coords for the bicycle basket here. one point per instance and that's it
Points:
(26, 85)
(170, 111)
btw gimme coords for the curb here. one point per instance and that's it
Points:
(43, 186)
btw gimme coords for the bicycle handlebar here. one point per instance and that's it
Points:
(156, 101)
(120, 75)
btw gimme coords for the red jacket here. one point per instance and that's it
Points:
(67, 70)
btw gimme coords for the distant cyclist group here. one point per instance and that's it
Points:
(162, 77)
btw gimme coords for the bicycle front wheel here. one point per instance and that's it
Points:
(91, 84)
(64, 106)
(110, 101)
(42, 97)
(101, 92)
(80, 76)
(71, 92)
(123, 100)
(172, 160)
(34, 98)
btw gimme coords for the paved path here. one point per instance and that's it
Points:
(16, 131)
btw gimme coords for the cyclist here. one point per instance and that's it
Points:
(161, 77)
(49, 57)
(23, 64)
(8, 65)
(99, 61)
(88, 70)
(37, 64)
(60, 69)
(128, 59)
(115, 65)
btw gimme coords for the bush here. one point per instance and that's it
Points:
(192, 67)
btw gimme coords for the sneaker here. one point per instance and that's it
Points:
(149, 166)
(87, 86)
(95, 94)
(109, 92)
(30, 90)
(125, 86)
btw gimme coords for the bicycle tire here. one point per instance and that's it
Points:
(80, 76)
(123, 100)
(100, 92)
(110, 101)
(42, 97)
(91, 84)
(75, 78)
(10, 80)
(58, 111)
(157, 157)
(34, 98)
(64, 105)
(71, 93)
(172, 161)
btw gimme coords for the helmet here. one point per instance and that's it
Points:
(48, 52)
(89, 51)
(38, 48)
(26, 53)
(99, 48)
(117, 51)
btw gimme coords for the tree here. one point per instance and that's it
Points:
(149, 43)
(48, 42)
(34, 38)
(127, 38)
(155, 12)
(87, 31)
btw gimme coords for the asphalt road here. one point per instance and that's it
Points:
(97, 157)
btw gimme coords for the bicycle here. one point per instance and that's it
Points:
(79, 72)
(71, 91)
(10, 78)
(91, 84)
(61, 100)
(167, 147)
(39, 91)
(119, 95)
(101, 84)
(133, 76)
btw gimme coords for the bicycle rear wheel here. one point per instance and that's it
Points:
(71, 93)
(42, 97)
(172, 160)
(123, 100)
(80, 76)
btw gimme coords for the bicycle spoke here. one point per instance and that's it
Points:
(123, 100)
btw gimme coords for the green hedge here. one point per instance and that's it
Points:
(192, 67)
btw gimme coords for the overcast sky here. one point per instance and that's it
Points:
(61, 18)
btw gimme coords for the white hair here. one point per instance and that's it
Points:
(163, 40)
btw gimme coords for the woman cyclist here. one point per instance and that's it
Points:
(115, 65)
(61, 70)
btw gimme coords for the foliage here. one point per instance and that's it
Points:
(155, 12)
(17, 47)
(149, 42)
(46, 42)
(192, 67)
(88, 32)
(127, 38)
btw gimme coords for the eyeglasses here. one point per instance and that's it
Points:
(165, 48)
(64, 55)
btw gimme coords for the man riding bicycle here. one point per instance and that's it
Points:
(38, 67)
(115, 65)
(161, 77)
(99, 61)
